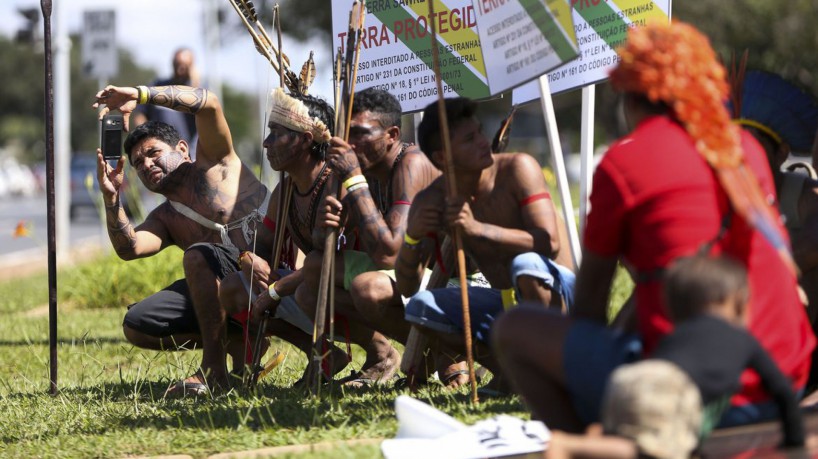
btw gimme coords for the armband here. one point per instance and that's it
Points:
(354, 180)
(409, 240)
(142, 95)
(357, 187)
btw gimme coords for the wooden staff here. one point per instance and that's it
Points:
(452, 192)
(326, 283)
(284, 196)
(45, 5)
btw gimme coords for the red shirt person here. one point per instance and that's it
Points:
(675, 198)
(657, 197)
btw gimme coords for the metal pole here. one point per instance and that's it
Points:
(586, 167)
(49, 167)
(559, 168)
(61, 49)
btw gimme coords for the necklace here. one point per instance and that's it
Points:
(314, 184)
(302, 224)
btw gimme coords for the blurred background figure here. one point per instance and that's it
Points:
(184, 73)
(783, 117)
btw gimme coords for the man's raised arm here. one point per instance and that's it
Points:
(215, 142)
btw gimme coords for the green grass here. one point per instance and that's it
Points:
(111, 394)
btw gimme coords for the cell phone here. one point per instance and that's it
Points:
(111, 136)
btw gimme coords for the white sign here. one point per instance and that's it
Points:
(601, 26)
(99, 53)
(396, 51)
(523, 39)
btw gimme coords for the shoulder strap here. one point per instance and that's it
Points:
(788, 201)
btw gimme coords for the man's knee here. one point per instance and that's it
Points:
(139, 339)
(195, 259)
(371, 287)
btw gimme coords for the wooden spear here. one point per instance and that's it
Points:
(326, 283)
(49, 184)
(452, 192)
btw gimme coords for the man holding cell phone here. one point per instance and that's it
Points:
(213, 206)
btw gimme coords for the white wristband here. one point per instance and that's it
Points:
(272, 291)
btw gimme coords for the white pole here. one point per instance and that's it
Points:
(212, 38)
(559, 168)
(417, 117)
(62, 129)
(586, 164)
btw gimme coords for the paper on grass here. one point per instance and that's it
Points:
(424, 431)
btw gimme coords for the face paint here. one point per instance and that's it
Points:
(281, 148)
(155, 178)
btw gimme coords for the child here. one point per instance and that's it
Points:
(648, 405)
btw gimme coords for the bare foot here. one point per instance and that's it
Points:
(378, 372)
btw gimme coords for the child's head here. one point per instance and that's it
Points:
(656, 405)
(703, 284)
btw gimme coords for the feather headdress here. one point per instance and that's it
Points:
(773, 105)
(293, 114)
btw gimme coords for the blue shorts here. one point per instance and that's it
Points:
(591, 352)
(441, 310)
(555, 276)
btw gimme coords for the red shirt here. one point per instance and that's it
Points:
(655, 199)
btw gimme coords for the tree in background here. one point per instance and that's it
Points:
(22, 101)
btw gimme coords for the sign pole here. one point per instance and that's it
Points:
(586, 164)
(559, 169)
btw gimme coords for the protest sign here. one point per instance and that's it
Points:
(600, 26)
(528, 38)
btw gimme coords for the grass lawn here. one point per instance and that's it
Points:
(110, 402)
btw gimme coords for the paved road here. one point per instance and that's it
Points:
(32, 210)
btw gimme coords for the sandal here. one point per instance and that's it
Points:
(185, 388)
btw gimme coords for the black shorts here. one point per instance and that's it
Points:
(170, 311)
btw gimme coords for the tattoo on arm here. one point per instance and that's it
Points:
(120, 231)
(373, 229)
(180, 98)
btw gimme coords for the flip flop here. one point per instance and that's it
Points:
(194, 389)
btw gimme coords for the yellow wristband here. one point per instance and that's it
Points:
(142, 97)
(354, 180)
(272, 291)
(409, 240)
